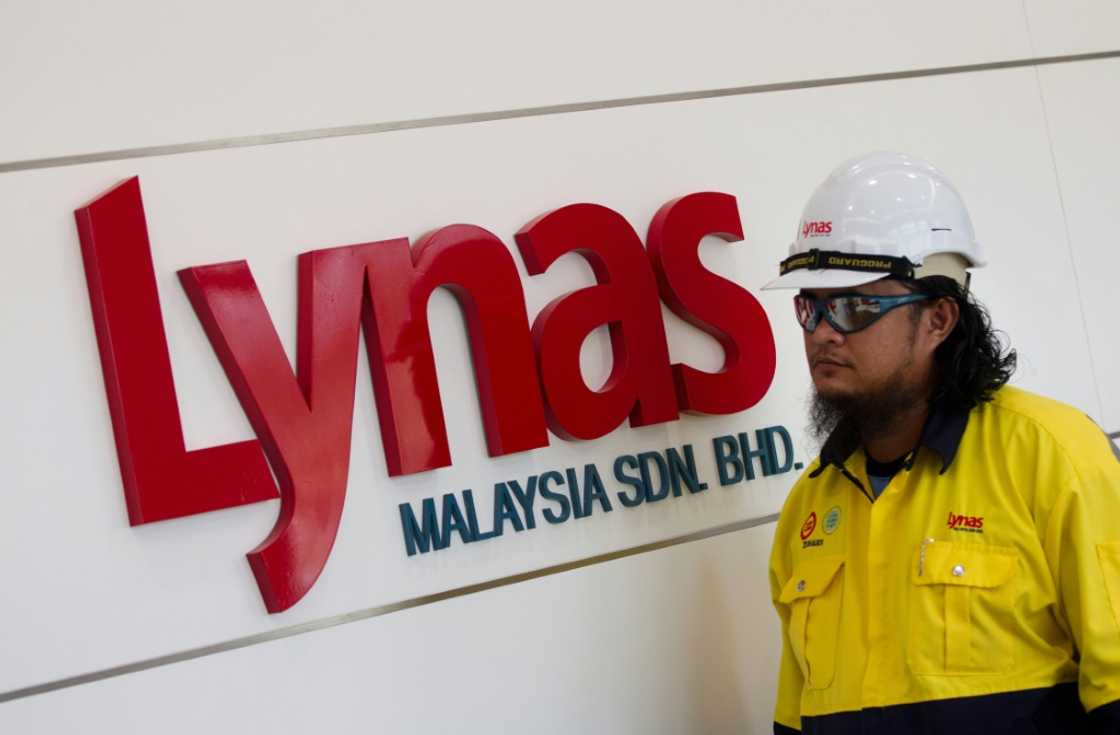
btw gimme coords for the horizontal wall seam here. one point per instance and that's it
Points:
(510, 114)
(373, 612)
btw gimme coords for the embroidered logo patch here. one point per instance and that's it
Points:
(809, 525)
(832, 519)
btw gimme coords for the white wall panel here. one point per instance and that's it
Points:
(87, 592)
(268, 205)
(675, 641)
(83, 77)
(1083, 104)
(1073, 26)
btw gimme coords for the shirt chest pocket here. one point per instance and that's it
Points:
(814, 595)
(962, 609)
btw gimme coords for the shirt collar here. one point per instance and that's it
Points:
(942, 433)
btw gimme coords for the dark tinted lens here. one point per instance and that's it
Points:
(804, 308)
(853, 313)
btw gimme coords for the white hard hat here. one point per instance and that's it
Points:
(879, 215)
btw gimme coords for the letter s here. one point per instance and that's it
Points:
(711, 303)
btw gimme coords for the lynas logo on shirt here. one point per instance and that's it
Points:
(971, 524)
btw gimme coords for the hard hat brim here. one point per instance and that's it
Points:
(823, 278)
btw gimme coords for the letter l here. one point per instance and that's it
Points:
(162, 480)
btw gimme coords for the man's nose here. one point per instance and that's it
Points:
(825, 334)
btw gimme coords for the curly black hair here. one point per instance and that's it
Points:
(975, 360)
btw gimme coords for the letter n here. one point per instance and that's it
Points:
(478, 269)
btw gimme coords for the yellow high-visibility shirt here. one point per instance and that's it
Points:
(980, 592)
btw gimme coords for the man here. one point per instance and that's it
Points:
(951, 561)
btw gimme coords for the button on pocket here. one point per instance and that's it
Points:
(814, 594)
(962, 616)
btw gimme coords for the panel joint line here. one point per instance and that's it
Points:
(511, 114)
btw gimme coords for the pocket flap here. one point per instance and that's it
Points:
(966, 566)
(811, 577)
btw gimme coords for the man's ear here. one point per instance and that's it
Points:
(941, 318)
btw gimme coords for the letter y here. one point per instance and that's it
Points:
(303, 422)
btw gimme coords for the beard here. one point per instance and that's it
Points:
(857, 417)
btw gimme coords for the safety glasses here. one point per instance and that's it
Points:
(847, 313)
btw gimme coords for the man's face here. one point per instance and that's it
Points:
(876, 361)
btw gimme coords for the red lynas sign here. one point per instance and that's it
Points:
(376, 293)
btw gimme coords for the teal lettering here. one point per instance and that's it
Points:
(526, 498)
(728, 466)
(453, 520)
(560, 499)
(573, 492)
(593, 490)
(620, 464)
(419, 537)
(644, 461)
(684, 469)
(505, 509)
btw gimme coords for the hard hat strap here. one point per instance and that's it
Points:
(899, 267)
